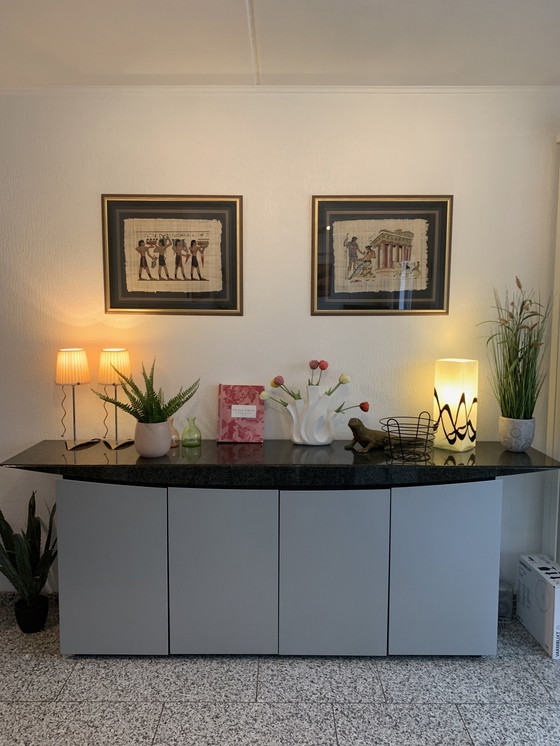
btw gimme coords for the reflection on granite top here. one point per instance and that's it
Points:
(274, 463)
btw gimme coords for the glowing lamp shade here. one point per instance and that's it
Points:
(72, 367)
(117, 357)
(455, 404)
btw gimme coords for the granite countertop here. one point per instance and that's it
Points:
(274, 464)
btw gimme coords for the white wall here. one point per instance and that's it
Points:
(494, 150)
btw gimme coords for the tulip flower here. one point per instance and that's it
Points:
(342, 379)
(313, 364)
(278, 383)
(323, 365)
(264, 395)
(364, 406)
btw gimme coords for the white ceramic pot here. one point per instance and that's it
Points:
(516, 435)
(152, 439)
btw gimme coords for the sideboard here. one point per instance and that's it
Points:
(275, 548)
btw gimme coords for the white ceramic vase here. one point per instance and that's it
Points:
(296, 410)
(312, 418)
(516, 435)
(152, 439)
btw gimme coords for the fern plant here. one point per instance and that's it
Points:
(148, 405)
(515, 347)
(22, 561)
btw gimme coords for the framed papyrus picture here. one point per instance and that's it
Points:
(380, 255)
(172, 254)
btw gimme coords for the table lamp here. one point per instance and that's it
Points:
(71, 370)
(111, 358)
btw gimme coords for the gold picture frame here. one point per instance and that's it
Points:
(380, 255)
(172, 254)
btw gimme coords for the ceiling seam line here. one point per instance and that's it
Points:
(253, 40)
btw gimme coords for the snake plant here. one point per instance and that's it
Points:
(22, 561)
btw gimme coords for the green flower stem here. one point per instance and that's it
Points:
(342, 408)
(293, 394)
(334, 388)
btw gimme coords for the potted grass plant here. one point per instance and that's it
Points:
(26, 565)
(516, 345)
(151, 410)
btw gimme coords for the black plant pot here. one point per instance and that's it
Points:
(32, 617)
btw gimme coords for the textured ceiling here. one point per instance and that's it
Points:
(279, 42)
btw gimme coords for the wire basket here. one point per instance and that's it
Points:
(409, 438)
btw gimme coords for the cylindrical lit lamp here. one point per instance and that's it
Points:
(455, 404)
(111, 358)
(71, 370)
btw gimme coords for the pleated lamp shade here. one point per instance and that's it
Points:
(117, 357)
(72, 366)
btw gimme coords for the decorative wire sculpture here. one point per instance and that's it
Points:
(409, 438)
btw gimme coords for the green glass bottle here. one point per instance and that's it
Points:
(191, 436)
(175, 437)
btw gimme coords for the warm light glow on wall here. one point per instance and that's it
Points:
(117, 357)
(455, 403)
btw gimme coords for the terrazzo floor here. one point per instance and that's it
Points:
(47, 699)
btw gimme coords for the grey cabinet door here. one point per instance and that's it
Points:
(334, 549)
(445, 556)
(223, 571)
(112, 568)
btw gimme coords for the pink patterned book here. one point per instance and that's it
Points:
(240, 414)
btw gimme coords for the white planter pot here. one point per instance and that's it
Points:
(152, 439)
(516, 435)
